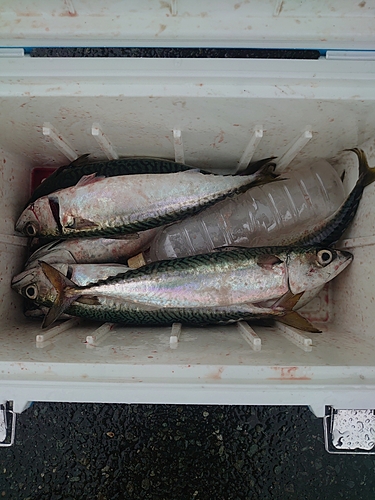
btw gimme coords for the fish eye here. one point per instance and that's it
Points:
(30, 229)
(325, 257)
(31, 292)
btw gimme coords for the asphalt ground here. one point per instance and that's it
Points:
(109, 451)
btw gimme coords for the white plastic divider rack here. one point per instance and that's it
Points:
(216, 114)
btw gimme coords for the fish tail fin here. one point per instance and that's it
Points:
(255, 166)
(366, 173)
(263, 174)
(293, 318)
(61, 283)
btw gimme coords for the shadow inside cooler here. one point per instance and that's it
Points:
(212, 128)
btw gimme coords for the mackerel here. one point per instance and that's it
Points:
(127, 204)
(40, 295)
(231, 278)
(68, 175)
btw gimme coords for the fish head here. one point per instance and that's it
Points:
(310, 268)
(51, 253)
(35, 286)
(39, 219)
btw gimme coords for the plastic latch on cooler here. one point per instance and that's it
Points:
(349, 431)
(12, 52)
(7, 424)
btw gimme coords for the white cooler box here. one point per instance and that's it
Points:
(215, 113)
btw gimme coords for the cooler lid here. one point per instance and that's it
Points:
(316, 24)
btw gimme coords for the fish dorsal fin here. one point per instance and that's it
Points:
(81, 160)
(78, 162)
(86, 180)
(294, 319)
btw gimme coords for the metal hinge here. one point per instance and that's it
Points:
(351, 55)
(349, 431)
(12, 52)
(7, 424)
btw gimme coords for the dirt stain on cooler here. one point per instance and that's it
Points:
(163, 27)
(68, 13)
(288, 373)
(166, 5)
(215, 375)
(218, 139)
(28, 14)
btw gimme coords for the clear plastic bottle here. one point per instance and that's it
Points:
(259, 217)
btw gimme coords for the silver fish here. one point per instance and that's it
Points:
(69, 175)
(258, 276)
(36, 288)
(91, 251)
(129, 203)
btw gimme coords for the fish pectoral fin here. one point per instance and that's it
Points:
(61, 283)
(294, 319)
(86, 180)
(57, 279)
(268, 261)
(91, 301)
(81, 223)
(288, 301)
(257, 308)
(143, 306)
